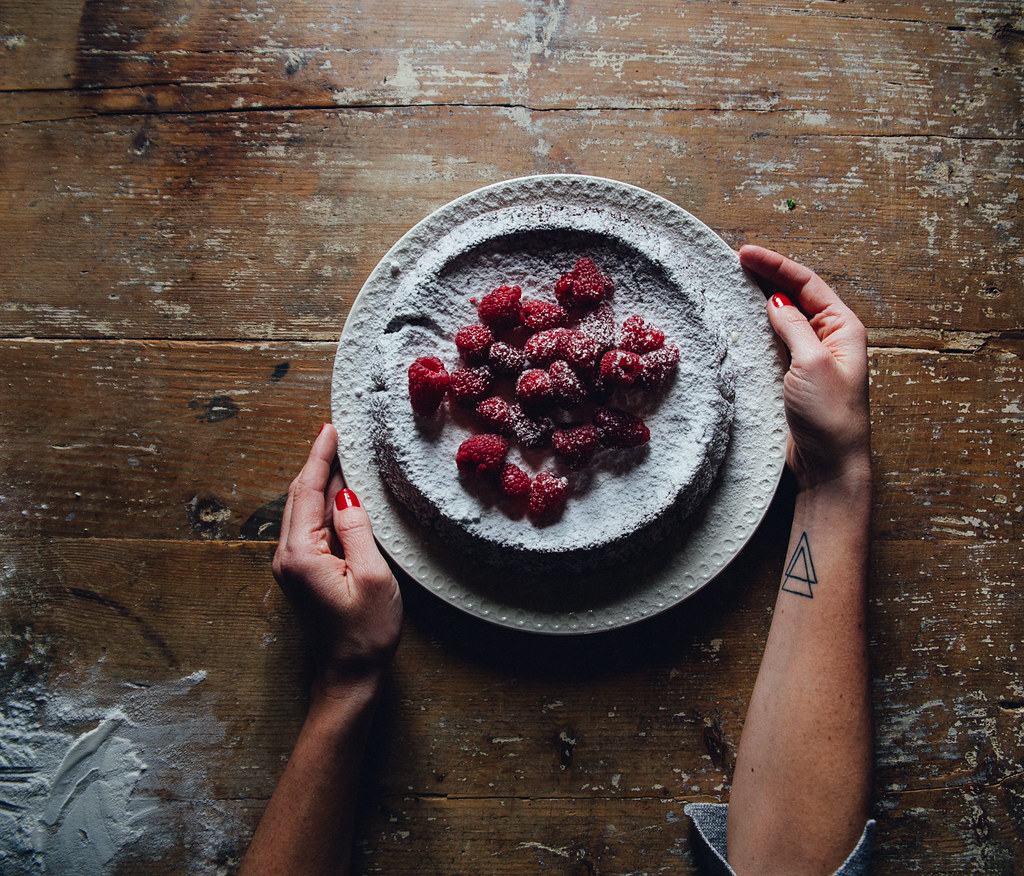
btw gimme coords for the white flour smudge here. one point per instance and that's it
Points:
(83, 782)
(89, 809)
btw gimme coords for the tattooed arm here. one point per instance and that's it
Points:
(802, 784)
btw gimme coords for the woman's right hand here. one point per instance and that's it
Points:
(826, 387)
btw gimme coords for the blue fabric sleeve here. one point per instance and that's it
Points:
(710, 818)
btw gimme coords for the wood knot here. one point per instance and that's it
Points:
(208, 517)
(566, 744)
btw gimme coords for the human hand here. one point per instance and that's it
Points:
(826, 387)
(329, 567)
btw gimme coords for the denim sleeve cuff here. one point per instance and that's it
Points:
(710, 819)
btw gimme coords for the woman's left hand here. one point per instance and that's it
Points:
(329, 566)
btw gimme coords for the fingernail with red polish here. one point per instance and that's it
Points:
(346, 499)
(780, 300)
(324, 426)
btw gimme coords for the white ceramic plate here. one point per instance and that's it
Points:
(709, 539)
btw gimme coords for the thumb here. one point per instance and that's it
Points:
(793, 327)
(352, 526)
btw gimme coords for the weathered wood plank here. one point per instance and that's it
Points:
(883, 70)
(265, 225)
(200, 440)
(443, 835)
(594, 733)
(98, 435)
(947, 433)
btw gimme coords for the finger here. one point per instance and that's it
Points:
(811, 293)
(352, 525)
(335, 482)
(793, 327)
(304, 511)
(334, 485)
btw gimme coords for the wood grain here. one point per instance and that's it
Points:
(200, 440)
(619, 729)
(191, 196)
(287, 214)
(885, 71)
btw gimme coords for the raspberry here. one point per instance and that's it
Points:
(506, 359)
(576, 445)
(584, 286)
(428, 385)
(547, 497)
(534, 387)
(578, 349)
(501, 308)
(589, 285)
(658, 366)
(578, 369)
(495, 414)
(540, 315)
(515, 483)
(533, 433)
(639, 336)
(470, 385)
(599, 324)
(544, 347)
(619, 367)
(473, 342)
(482, 455)
(620, 429)
(563, 290)
(566, 387)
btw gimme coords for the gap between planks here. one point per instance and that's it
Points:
(329, 106)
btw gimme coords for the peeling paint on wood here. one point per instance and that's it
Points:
(191, 197)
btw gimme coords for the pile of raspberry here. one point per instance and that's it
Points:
(522, 361)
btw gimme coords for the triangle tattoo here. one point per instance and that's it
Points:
(800, 576)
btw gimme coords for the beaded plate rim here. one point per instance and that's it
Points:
(754, 459)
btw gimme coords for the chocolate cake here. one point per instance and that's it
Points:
(623, 499)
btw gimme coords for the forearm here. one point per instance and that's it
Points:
(307, 826)
(803, 772)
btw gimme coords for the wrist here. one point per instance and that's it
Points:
(328, 687)
(334, 706)
(843, 499)
(849, 479)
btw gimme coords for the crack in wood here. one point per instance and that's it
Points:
(328, 106)
(428, 796)
(971, 786)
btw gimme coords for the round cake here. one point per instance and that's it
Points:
(625, 499)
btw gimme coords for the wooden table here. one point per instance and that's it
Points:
(193, 194)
